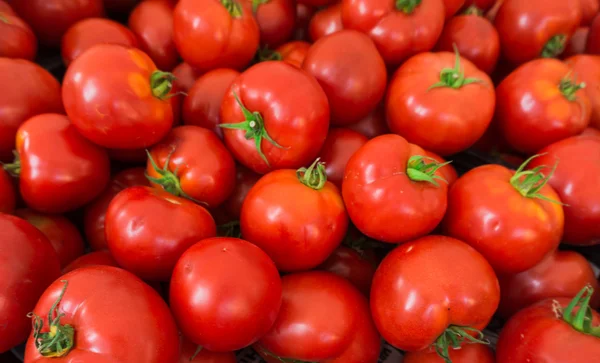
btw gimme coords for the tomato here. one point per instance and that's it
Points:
(467, 353)
(591, 132)
(147, 230)
(340, 145)
(448, 172)
(62, 234)
(188, 350)
(475, 38)
(18, 40)
(6, 8)
(399, 29)
(379, 191)
(8, 198)
(541, 102)
(452, 7)
(356, 267)
(294, 52)
(535, 28)
(589, 10)
(202, 104)
(28, 264)
(304, 13)
(185, 76)
(33, 91)
(225, 319)
(587, 70)
(513, 218)
(119, 6)
(440, 101)
(322, 318)
(577, 43)
(593, 41)
(374, 124)
(59, 169)
(92, 259)
(270, 125)
(152, 22)
(551, 331)
(352, 92)
(276, 20)
(325, 22)
(50, 19)
(244, 181)
(226, 29)
(484, 5)
(89, 32)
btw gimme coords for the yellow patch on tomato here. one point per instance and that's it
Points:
(545, 90)
(138, 58)
(139, 84)
(558, 110)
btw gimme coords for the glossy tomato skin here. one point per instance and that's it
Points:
(352, 92)
(512, 231)
(28, 265)
(444, 120)
(211, 267)
(356, 267)
(467, 353)
(229, 40)
(576, 181)
(377, 192)
(297, 119)
(95, 258)
(532, 111)
(8, 198)
(325, 22)
(18, 40)
(396, 34)
(188, 350)
(294, 52)
(107, 95)
(589, 10)
(452, 6)
(244, 181)
(276, 20)
(374, 124)
(202, 105)
(33, 91)
(60, 169)
(340, 145)
(587, 69)
(147, 230)
(412, 309)
(525, 27)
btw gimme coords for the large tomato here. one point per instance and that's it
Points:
(405, 185)
(358, 267)
(325, 22)
(147, 230)
(8, 199)
(587, 70)
(276, 20)
(92, 259)
(274, 116)
(188, 351)
(225, 318)
(466, 353)
(18, 40)
(440, 101)
(399, 29)
(340, 145)
(28, 264)
(93, 310)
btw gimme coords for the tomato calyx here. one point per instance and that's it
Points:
(314, 176)
(568, 86)
(473, 10)
(420, 171)
(582, 319)
(407, 6)
(264, 54)
(257, 3)
(233, 7)
(454, 77)
(230, 229)
(555, 46)
(59, 340)
(454, 336)
(254, 125)
(280, 359)
(13, 168)
(161, 84)
(529, 182)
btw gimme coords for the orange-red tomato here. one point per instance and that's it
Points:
(587, 70)
(18, 40)
(294, 52)
(325, 22)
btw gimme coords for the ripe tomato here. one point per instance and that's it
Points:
(33, 91)
(92, 259)
(152, 22)
(541, 102)
(440, 101)
(59, 169)
(188, 350)
(467, 353)
(513, 218)
(322, 318)
(293, 52)
(593, 41)
(226, 29)
(268, 124)
(185, 76)
(8, 199)
(352, 92)
(276, 20)
(589, 9)
(50, 19)
(374, 124)
(225, 319)
(304, 14)
(244, 181)
(340, 145)
(379, 191)
(18, 40)
(399, 29)
(452, 7)
(6, 8)
(28, 264)
(202, 104)
(325, 22)
(356, 267)
(591, 132)
(94, 310)
(297, 232)
(117, 98)
(147, 230)
(577, 43)
(587, 70)
(535, 28)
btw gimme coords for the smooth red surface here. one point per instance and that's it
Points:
(294, 52)
(92, 259)
(276, 20)
(325, 22)
(589, 10)
(18, 40)
(340, 145)
(356, 267)
(587, 69)
(452, 6)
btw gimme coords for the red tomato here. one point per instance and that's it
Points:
(340, 145)
(18, 40)
(270, 125)
(593, 41)
(551, 331)
(50, 19)
(352, 92)
(380, 191)
(304, 14)
(185, 76)
(244, 181)
(591, 132)
(276, 20)
(62, 234)
(356, 267)
(6, 8)
(448, 172)
(373, 125)
(535, 28)
(152, 22)
(119, 6)
(59, 169)
(578, 42)
(147, 230)
(225, 319)
(117, 98)
(104, 306)
(297, 232)
(440, 101)
(92, 259)
(294, 52)
(8, 199)
(33, 91)
(589, 10)
(399, 29)
(202, 104)
(325, 22)
(28, 264)
(188, 350)
(587, 70)
(226, 29)
(452, 7)
(467, 353)
(484, 5)
(419, 296)
(322, 318)
(541, 102)
(505, 215)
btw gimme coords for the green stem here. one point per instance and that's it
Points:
(454, 77)
(314, 177)
(581, 320)
(568, 86)
(420, 171)
(14, 168)
(161, 84)
(473, 10)
(453, 337)
(529, 182)
(265, 54)
(233, 7)
(230, 229)
(257, 3)
(555, 46)
(407, 6)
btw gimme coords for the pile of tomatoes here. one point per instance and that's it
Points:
(218, 176)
